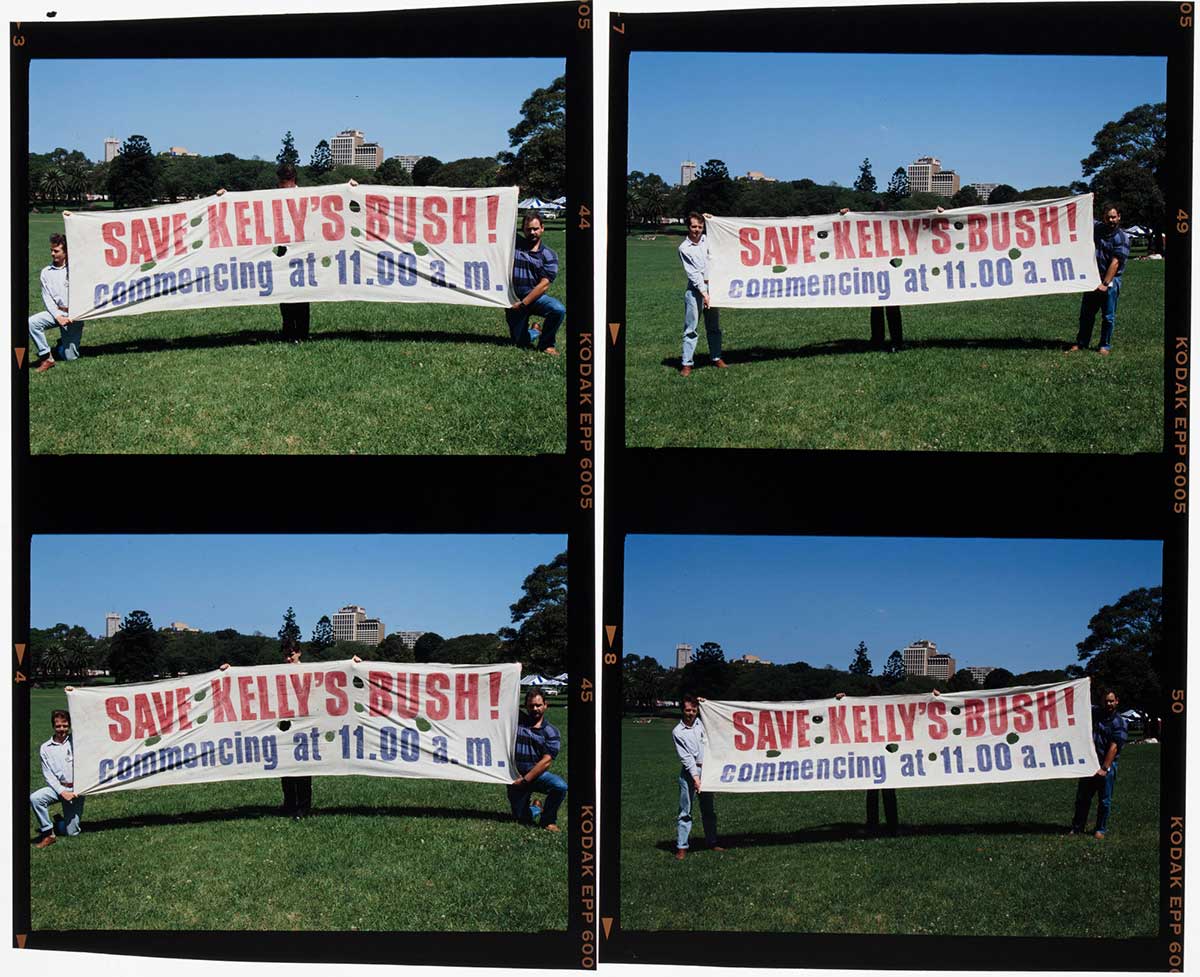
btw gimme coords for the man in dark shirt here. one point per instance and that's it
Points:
(1112, 250)
(1109, 733)
(296, 315)
(535, 266)
(538, 743)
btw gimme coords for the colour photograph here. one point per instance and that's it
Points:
(934, 273)
(377, 745)
(937, 737)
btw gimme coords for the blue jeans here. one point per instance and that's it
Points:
(1083, 799)
(40, 801)
(552, 311)
(1106, 304)
(708, 813)
(70, 336)
(693, 306)
(550, 784)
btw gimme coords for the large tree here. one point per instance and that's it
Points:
(898, 185)
(426, 648)
(321, 160)
(289, 630)
(866, 179)
(322, 636)
(861, 665)
(893, 671)
(424, 169)
(1126, 635)
(643, 681)
(712, 191)
(708, 672)
(536, 160)
(1124, 153)
(392, 173)
(473, 171)
(134, 650)
(968, 196)
(540, 640)
(1003, 194)
(472, 649)
(133, 174)
(393, 649)
(287, 152)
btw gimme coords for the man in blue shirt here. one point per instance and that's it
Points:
(58, 770)
(55, 280)
(535, 266)
(538, 743)
(1112, 251)
(1109, 733)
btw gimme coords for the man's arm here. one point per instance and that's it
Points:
(1109, 755)
(535, 771)
(1109, 274)
(695, 275)
(52, 781)
(685, 758)
(53, 307)
(535, 293)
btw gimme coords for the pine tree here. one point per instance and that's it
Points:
(288, 153)
(861, 664)
(866, 179)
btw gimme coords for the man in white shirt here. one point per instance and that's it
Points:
(58, 769)
(690, 741)
(694, 255)
(54, 280)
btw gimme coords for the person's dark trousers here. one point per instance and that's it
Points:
(895, 326)
(1089, 786)
(889, 809)
(1106, 304)
(297, 795)
(295, 320)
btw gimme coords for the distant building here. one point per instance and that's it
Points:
(112, 623)
(112, 148)
(752, 660)
(369, 631)
(925, 175)
(350, 148)
(758, 175)
(923, 658)
(945, 183)
(980, 672)
(408, 161)
(408, 638)
(179, 626)
(352, 624)
(687, 172)
(683, 655)
(369, 156)
(180, 151)
(984, 190)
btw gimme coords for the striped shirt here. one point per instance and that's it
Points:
(534, 743)
(530, 267)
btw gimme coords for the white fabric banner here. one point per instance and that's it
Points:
(385, 719)
(1035, 732)
(301, 244)
(902, 257)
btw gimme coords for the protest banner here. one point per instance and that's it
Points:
(299, 244)
(1035, 732)
(902, 257)
(384, 719)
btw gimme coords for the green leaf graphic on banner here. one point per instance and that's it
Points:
(960, 245)
(779, 268)
(279, 250)
(197, 244)
(892, 747)
(196, 221)
(329, 736)
(1012, 738)
(773, 753)
(199, 696)
(423, 724)
(355, 232)
(326, 261)
(420, 248)
(819, 739)
(824, 255)
(897, 262)
(151, 740)
(148, 265)
(285, 725)
(358, 707)
(1014, 253)
(932, 756)
(935, 270)
(202, 719)
(957, 731)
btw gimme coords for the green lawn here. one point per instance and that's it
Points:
(986, 860)
(375, 378)
(378, 854)
(976, 376)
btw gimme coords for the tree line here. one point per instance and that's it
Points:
(1123, 650)
(1127, 167)
(138, 176)
(140, 652)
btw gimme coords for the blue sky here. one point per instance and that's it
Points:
(449, 584)
(1017, 604)
(1023, 120)
(448, 108)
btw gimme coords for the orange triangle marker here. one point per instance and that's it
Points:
(611, 631)
(607, 921)
(21, 940)
(20, 354)
(20, 654)
(614, 329)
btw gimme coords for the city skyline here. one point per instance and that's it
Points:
(465, 106)
(977, 113)
(1022, 605)
(451, 585)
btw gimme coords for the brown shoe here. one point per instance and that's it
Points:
(720, 363)
(49, 839)
(552, 827)
(46, 364)
(685, 371)
(680, 854)
(550, 351)
(1104, 351)
(716, 848)
(1071, 349)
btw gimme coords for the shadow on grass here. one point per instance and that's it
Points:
(257, 337)
(847, 831)
(256, 812)
(849, 347)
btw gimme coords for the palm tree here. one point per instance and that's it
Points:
(53, 184)
(52, 661)
(75, 180)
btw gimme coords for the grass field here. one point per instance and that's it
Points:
(976, 376)
(991, 859)
(378, 854)
(375, 378)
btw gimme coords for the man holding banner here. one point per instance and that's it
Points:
(55, 280)
(690, 743)
(296, 315)
(1112, 251)
(538, 743)
(693, 252)
(535, 266)
(58, 768)
(1110, 732)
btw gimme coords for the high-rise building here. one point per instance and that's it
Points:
(369, 156)
(345, 622)
(683, 655)
(984, 190)
(687, 172)
(940, 666)
(925, 175)
(112, 623)
(916, 657)
(369, 631)
(350, 148)
(408, 638)
(944, 183)
(112, 147)
(980, 672)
